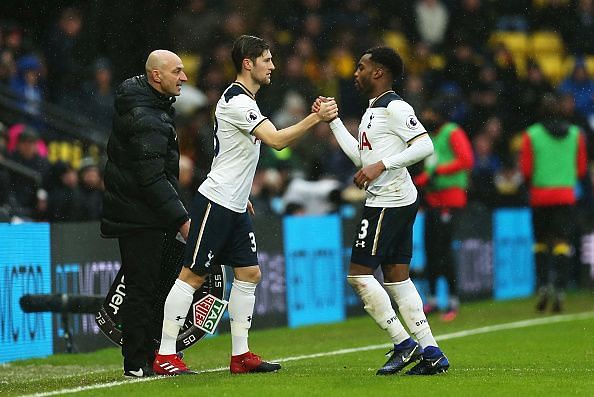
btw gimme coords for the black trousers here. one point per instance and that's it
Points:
(439, 228)
(142, 254)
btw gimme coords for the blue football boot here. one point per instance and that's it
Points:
(403, 354)
(433, 362)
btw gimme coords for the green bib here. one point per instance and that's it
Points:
(445, 154)
(554, 157)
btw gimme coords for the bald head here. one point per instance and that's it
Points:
(165, 72)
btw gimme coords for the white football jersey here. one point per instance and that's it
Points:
(386, 128)
(237, 151)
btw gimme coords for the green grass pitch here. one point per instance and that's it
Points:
(495, 349)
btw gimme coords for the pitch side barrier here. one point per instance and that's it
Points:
(304, 261)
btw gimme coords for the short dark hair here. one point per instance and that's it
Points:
(388, 58)
(250, 47)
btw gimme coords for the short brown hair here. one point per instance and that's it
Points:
(250, 47)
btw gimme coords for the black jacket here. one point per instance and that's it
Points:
(142, 170)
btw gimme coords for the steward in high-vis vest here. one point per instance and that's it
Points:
(445, 180)
(553, 158)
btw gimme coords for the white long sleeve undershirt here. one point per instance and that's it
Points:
(420, 148)
(346, 141)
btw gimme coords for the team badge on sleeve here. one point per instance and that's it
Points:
(251, 116)
(412, 122)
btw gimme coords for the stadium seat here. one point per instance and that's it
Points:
(552, 66)
(192, 64)
(515, 42)
(544, 43)
(398, 42)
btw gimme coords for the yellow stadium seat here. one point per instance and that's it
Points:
(398, 42)
(546, 43)
(589, 59)
(515, 42)
(552, 67)
(192, 64)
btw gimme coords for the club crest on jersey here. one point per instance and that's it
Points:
(251, 116)
(412, 122)
(364, 142)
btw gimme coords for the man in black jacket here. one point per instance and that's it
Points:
(142, 206)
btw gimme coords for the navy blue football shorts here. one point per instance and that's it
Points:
(218, 236)
(384, 236)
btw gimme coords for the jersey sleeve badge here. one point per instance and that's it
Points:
(412, 122)
(252, 116)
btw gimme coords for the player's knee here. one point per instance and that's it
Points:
(358, 283)
(251, 274)
(188, 276)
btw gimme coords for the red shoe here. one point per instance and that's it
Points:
(450, 315)
(250, 362)
(170, 365)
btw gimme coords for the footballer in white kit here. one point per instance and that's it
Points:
(226, 233)
(390, 138)
(221, 231)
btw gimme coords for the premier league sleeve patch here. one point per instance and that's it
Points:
(252, 116)
(412, 122)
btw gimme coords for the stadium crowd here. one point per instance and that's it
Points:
(489, 63)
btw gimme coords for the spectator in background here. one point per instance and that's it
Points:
(91, 190)
(66, 57)
(28, 195)
(485, 97)
(13, 40)
(462, 66)
(64, 198)
(471, 21)
(193, 27)
(486, 165)
(187, 186)
(432, 18)
(581, 87)
(98, 94)
(530, 93)
(27, 84)
(8, 70)
(581, 28)
(553, 158)
(294, 80)
(511, 14)
(445, 182)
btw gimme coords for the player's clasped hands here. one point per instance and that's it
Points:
(325, 107)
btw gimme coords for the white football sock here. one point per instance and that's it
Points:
(410, 306)
(176, 308)
(241, 308)
(377, 303)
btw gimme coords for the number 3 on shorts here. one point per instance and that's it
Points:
(253, 241)
(363, 232)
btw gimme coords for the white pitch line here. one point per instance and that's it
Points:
(452, 335)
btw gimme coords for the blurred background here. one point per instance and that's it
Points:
(493, 60)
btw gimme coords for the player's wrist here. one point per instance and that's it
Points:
(334, 123)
